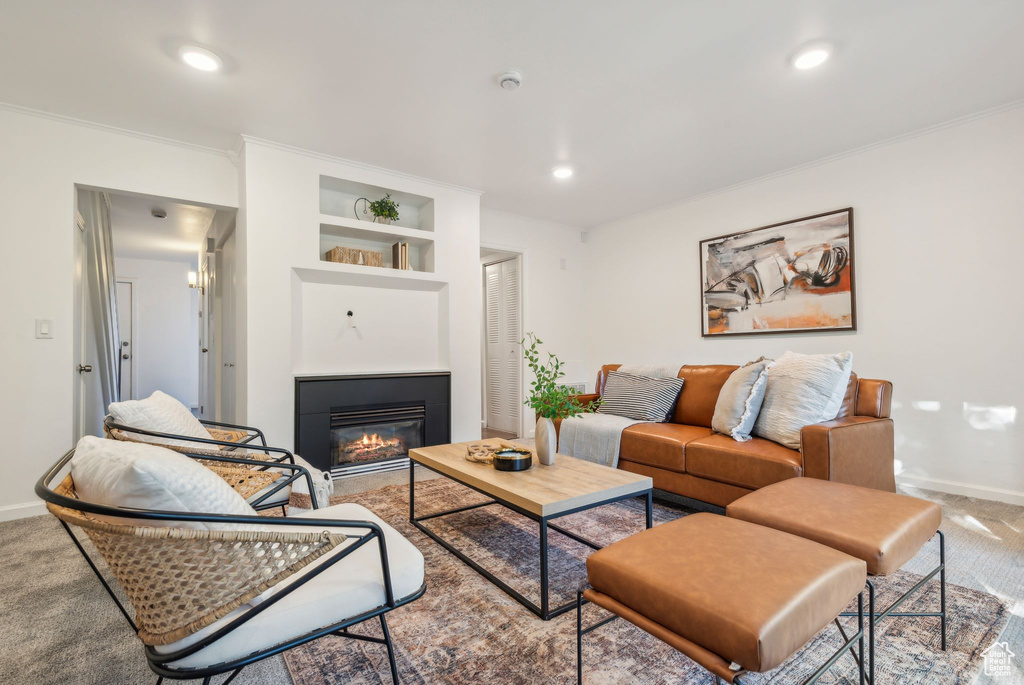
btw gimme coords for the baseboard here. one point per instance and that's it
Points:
(10, 512)
(965, 489)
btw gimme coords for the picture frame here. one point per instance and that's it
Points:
(795, 276)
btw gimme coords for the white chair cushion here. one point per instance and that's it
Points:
(160, 413)
(130, 474)
(350, 587)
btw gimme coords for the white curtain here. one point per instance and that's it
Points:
(102, 288)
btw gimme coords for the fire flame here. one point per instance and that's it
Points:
(375, 440)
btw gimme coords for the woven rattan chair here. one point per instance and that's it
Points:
(229, 439)
(200, 597)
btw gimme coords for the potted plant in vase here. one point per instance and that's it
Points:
(384, 210)
(549, 399)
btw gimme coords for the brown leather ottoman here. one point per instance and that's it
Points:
(724, 591)
(883, 529)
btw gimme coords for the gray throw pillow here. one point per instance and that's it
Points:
(740, 399)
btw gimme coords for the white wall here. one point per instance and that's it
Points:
(167, 331)
(939, 235)
(296, 327)
(553, 296)
(42, 160)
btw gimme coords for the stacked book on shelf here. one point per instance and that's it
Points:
(400, 256)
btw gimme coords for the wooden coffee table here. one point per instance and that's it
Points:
(541, 493)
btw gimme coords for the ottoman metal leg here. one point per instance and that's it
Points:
(875, 616)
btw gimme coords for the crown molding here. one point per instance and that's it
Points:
(952, 123)
(247, 139)
(60, 118)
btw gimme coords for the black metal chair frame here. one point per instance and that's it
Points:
(284, 456)
(848, 643)
(875, 616)
(161, 663)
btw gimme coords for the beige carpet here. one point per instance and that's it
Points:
(58, 627)
(465, 630)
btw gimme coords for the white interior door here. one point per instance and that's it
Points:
(207, 408)
(502, 331)
(88, 397)
(126, 328)
(226, 277)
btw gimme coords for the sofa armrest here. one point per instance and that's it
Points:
(858, 450)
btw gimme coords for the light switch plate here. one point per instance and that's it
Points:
(44, 328)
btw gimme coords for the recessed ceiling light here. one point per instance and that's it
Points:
(811, 56)
(562, 171)
(199, 58)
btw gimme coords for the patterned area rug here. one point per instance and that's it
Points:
(466, 630)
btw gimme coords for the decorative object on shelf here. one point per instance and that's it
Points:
(362, 210)
(549, 398)
(400, 257)
(791, 277)
(352, 255)
(384, 210)
(512, 459)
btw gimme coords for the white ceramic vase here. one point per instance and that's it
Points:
(544, 438)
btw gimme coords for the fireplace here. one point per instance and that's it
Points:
(360, 436)
(364, 423)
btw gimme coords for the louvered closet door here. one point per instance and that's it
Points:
(502, 285)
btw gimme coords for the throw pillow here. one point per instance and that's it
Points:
(129, 474)
(160, 413)
(739, 401)
(802, 389)
(643, 398)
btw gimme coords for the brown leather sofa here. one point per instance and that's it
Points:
(686, 457)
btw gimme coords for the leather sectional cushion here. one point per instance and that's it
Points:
(710, 491)
(659, 444)
(750, 594)
(701, 386)
(883, 528)
(752, 464)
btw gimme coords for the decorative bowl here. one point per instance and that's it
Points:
(512, 459)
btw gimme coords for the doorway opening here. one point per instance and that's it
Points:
(502, 273)
(146, 302)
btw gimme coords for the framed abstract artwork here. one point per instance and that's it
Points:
(791, 277)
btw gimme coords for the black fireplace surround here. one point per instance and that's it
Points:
(360, 419)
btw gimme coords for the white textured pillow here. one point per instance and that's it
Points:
(802, 389)
(127, 474)
(160, 413)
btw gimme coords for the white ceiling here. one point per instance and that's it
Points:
(652, 101)
(138, 234)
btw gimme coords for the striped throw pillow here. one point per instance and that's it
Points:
(640, 397)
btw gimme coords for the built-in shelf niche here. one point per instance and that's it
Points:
(340, 227)
(335, 231)
(338, 198)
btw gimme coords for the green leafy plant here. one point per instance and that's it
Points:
(385, 208)
(549, 398)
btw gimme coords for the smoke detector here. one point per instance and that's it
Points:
(158, 213)
(510, 80)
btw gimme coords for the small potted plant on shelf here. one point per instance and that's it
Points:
(549, 399)
(385, 210)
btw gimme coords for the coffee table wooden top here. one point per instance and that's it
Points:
(542, 490)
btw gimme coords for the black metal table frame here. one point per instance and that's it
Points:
(544, 611)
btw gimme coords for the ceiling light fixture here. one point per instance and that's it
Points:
(562, 172)
(810, 56)
(200, 58)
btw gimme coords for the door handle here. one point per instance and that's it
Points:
(85, 368)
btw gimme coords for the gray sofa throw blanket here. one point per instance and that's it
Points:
(596, 437)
